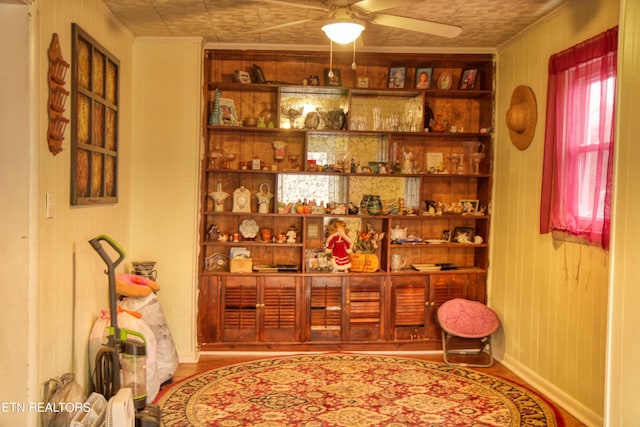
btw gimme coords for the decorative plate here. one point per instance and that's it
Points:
(444, 81)
(410, 240)
(249, 229)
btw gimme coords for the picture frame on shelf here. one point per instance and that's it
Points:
(335, 80)
(444, 81)
(468, 79)
(469, 206)
(228, 115)
(462, 235)
(423, 78)
(363, 82)
(242, 77)
(435, 162)
(397, 77)
(317, 260)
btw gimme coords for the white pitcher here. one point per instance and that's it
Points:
(397, 262)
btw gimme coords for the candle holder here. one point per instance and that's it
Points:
(293, 158)
(476, 158)
(457, 163)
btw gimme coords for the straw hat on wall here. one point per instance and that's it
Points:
(522, 116)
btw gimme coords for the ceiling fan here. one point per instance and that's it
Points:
(357, 14)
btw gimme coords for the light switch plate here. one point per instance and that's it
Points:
(48, 203)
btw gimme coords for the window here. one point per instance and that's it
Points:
(578, 153)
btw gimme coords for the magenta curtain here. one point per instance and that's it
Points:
(578, 146)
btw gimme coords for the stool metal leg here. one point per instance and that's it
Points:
(446, 351)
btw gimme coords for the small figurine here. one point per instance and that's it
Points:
(407, 166)
(463, 238)
(291, 235)
(338, 244)
(339, 209)
(213, 233)
(264, 197)
(428, 118)
(438, 125)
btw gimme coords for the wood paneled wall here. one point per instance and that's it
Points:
(551, 295)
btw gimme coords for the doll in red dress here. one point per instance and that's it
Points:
(339, 244)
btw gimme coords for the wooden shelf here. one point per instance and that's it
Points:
(325, 310)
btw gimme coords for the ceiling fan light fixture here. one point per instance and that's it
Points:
(343, 32)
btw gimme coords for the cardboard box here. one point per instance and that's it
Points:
(241, 265)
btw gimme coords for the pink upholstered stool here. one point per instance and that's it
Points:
(467, 327)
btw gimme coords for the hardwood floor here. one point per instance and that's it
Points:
(207, 362)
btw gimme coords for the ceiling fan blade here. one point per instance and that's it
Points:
(418, 25)
(292, 4)
(275, 27)
(370, 6)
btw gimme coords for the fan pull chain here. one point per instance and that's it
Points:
(330, 75)
(353, 64)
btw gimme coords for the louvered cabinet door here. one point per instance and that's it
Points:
(239, 308)
(364, 308)
(325, 307)
(443, 287)
(409, 307)
(279, 313)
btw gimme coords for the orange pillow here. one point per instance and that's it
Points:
(132, 285)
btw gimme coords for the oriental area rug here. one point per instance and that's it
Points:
(350, 390)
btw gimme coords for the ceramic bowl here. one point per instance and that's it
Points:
(143, 267)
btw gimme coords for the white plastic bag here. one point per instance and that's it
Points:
(98, 338)
(60, 394)
(151, 310)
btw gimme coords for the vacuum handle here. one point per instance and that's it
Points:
(97, 246)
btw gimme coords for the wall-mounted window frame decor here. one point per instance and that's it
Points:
(95, 80)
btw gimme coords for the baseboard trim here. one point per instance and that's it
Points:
(292, 353)
(578, 410)
(189, 357)
(195, 357)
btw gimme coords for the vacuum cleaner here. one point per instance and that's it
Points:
(122, 361)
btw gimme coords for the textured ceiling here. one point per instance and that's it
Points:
(485, 24)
